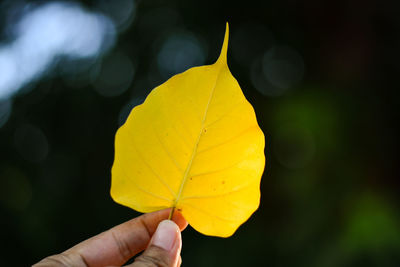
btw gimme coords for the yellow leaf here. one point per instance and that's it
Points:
(193, 145)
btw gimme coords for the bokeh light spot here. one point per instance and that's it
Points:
(260, 82)
(116, 75)
(179, 52)
(120, 11)
(283, 67)
(62, 28)
(5, 111)
(9, 81)
(44, 34)
(372, 226)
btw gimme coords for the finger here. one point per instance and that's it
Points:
(164, 248)
(62, 260)
(117, 245)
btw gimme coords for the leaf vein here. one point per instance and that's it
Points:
(141, 188)
(208, 213)
(222, 116)
(216, 171)
(167, 151)
(238, 189)
(140, 156)
(228, 140)
(186, 174)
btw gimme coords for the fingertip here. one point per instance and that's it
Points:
(166, 236)
(164, 248)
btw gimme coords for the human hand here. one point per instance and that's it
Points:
(116, 246)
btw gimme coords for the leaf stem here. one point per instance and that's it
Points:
(171, 213)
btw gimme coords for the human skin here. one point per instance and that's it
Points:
(152, 232)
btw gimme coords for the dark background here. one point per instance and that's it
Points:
(323, 77)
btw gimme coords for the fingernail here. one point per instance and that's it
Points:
(165, 235)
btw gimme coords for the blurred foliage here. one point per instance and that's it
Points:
(322, 76)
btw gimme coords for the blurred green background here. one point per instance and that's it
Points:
(322, 76)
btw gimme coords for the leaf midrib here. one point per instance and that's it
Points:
(194, 152)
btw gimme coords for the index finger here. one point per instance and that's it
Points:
(119, 244)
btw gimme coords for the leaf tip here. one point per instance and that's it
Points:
(224, 49)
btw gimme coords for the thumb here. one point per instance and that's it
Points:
(164, 248)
